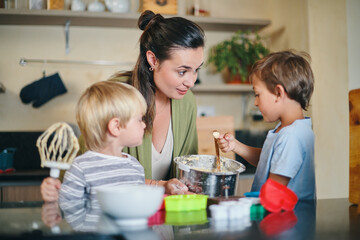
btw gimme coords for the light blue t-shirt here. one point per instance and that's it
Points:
(289, 153)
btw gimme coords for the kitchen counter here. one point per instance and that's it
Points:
(22, 185)
(23, 177)
(324, 219)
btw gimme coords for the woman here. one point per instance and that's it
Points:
(171, 54)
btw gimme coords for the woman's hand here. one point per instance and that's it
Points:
(172, 187)
(50, 189)
(226, 142)
(175, 187)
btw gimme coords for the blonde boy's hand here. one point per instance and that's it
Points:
(50, 189)
(226, 142)
(50, 214)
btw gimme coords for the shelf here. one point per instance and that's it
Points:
(108, 19)
(223, 88)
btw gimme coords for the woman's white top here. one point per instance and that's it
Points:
(161, 161)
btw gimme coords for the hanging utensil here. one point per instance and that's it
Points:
(2, 88)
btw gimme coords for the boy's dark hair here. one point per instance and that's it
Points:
(290, 70)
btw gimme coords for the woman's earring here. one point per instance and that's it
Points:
(151, 69)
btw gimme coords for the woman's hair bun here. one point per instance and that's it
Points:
(148, 17)
(145, 18)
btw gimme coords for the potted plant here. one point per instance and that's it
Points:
(235, 57)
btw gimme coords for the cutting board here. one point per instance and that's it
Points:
(206, 126)
(354, 119)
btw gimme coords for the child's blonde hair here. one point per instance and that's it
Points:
(100, 103)
(289, 69)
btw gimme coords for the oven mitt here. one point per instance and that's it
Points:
(43, 90)
(275, 197)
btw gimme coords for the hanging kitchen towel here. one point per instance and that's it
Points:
(43, 90)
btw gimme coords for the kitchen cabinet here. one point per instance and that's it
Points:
(29, 193)
(354, 163)
(22, 185)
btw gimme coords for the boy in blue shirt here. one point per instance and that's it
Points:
(283, 83)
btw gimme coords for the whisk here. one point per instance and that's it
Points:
(57, 147)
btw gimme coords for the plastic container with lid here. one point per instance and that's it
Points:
(7, 158)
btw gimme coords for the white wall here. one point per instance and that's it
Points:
(89, 43)
(353, 31)
(47, 42)
(328, 48)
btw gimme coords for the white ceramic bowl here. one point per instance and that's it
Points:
(130, 204)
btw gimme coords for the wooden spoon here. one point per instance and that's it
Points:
(216, 135)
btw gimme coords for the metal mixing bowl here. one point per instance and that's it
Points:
(199, 174)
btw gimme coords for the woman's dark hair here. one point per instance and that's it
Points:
(161, 36)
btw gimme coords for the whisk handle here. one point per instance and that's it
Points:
(54, 172)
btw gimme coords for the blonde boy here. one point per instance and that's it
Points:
(109, 115)
(283, 83)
